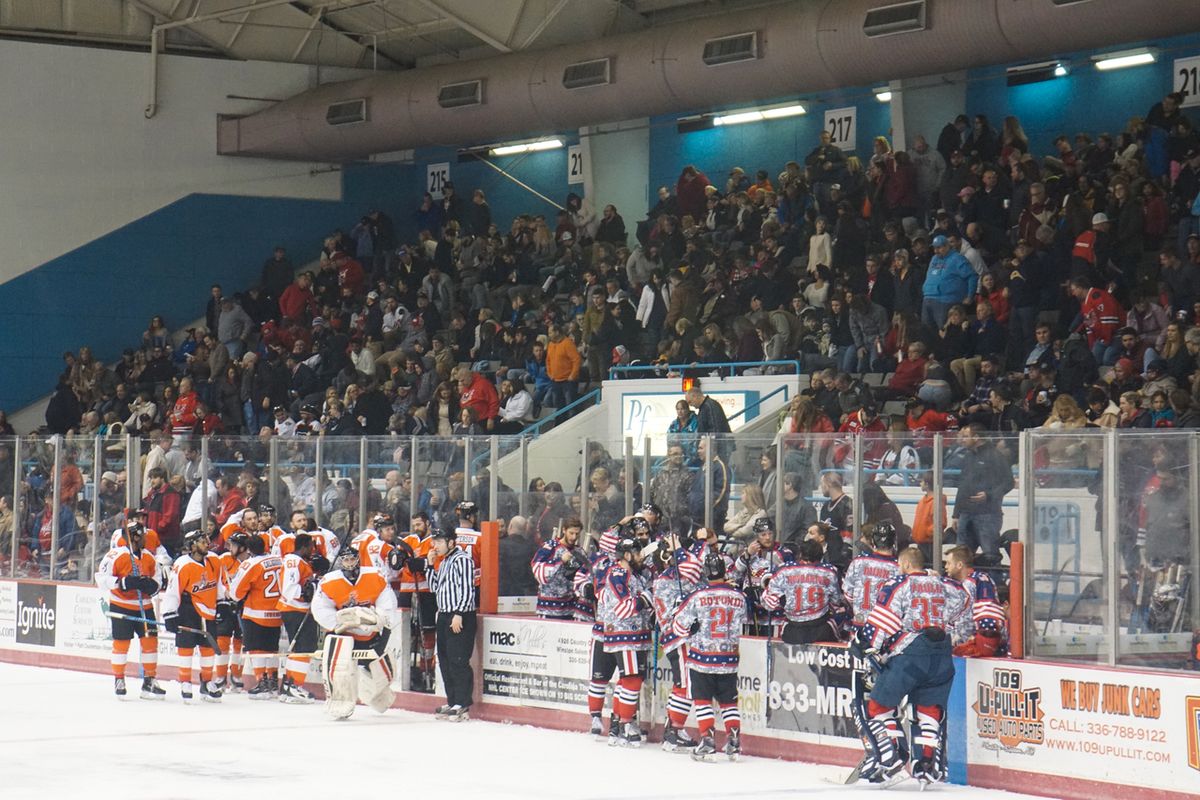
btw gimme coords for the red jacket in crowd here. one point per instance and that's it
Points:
(480, 396)
(297, 303)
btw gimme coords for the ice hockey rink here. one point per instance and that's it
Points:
(65, 734)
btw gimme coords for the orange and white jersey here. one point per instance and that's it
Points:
(415, 582)
(232, 525)
(229, 567)
(296, 572)
(373, 551)
(270, 539)
(325, 542)
(199, 580)
(119, 562)
(336, 591)
(256, 584)
(468, 539)
(150, 542)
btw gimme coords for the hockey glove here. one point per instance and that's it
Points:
(396, 559)
(589, 592)
(416, 564)
(860, 650)
(695, 628)
(308, 589)
(320, 564)
(642, 602)
(171, 622)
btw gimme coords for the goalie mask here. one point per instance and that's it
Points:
(348, 562)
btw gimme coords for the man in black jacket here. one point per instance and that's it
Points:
(986, 478)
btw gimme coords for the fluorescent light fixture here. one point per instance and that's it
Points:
(1129, 58)
(738, 118)
(525, 147)
(1060, 71)
(779, 112)
(883, 95)
(758, 114)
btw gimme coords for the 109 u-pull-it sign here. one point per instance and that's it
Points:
(1090, 724)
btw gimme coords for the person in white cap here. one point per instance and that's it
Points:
(1091, 248)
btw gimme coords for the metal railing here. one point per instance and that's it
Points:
(664, 369)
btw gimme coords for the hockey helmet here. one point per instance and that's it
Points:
(309, 408)
(884, 536)
(651, 508)
(714, 567)
(467, 508)
(266, 508)
(193, 536)
(764, 525)
(381, 521)
(627, 544)
(443, 533)
(241, 540)
(639, 526)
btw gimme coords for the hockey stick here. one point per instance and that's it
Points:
(146, 621)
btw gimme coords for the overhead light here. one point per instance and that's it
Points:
(758, 114)
(1034, 73)
(526, 147)
(883, 95)
(1129, 58)
(779, 112)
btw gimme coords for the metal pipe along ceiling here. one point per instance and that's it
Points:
(805, 46)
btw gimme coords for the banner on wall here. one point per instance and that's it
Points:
(651, 413)
(8, 613)
(37, 614)
(575, 164)
(810, 690)
(1187, 80)
(1107, 725)
(536, 662)
(842, 126)
(436, 176)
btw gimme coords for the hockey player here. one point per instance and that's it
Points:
(414, 593)
(256, 586)
(127, 573)
(808, 594)
(869, 572)
(467, 536)
(229, 624)
(554, 566)
(982, 630)
(189, 609)
(150, 542)
(355, 604)
(753, 569)
(376, 546)
(589, 584)
(654, 518)
(244, 521)
(906, 632)
(623, 609)
(679, 574)
(268, 531)
(712, 618)
(302, 569)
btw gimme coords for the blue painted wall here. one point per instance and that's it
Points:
(544, 171)
(758, 145)
(104, 293)
(1085, 100)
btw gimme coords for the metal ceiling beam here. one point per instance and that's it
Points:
(545, 23)
(215, 15)
(466, 25)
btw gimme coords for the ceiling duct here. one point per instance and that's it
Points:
(896, 18)
(793, 49)
(731, 49)
(588, 73)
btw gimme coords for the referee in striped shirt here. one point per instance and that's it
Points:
(453, 586)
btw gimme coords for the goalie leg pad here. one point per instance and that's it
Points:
(373, 684)
(340, 676)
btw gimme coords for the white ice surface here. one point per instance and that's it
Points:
(65, 735)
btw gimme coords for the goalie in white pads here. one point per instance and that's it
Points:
(358, 608)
